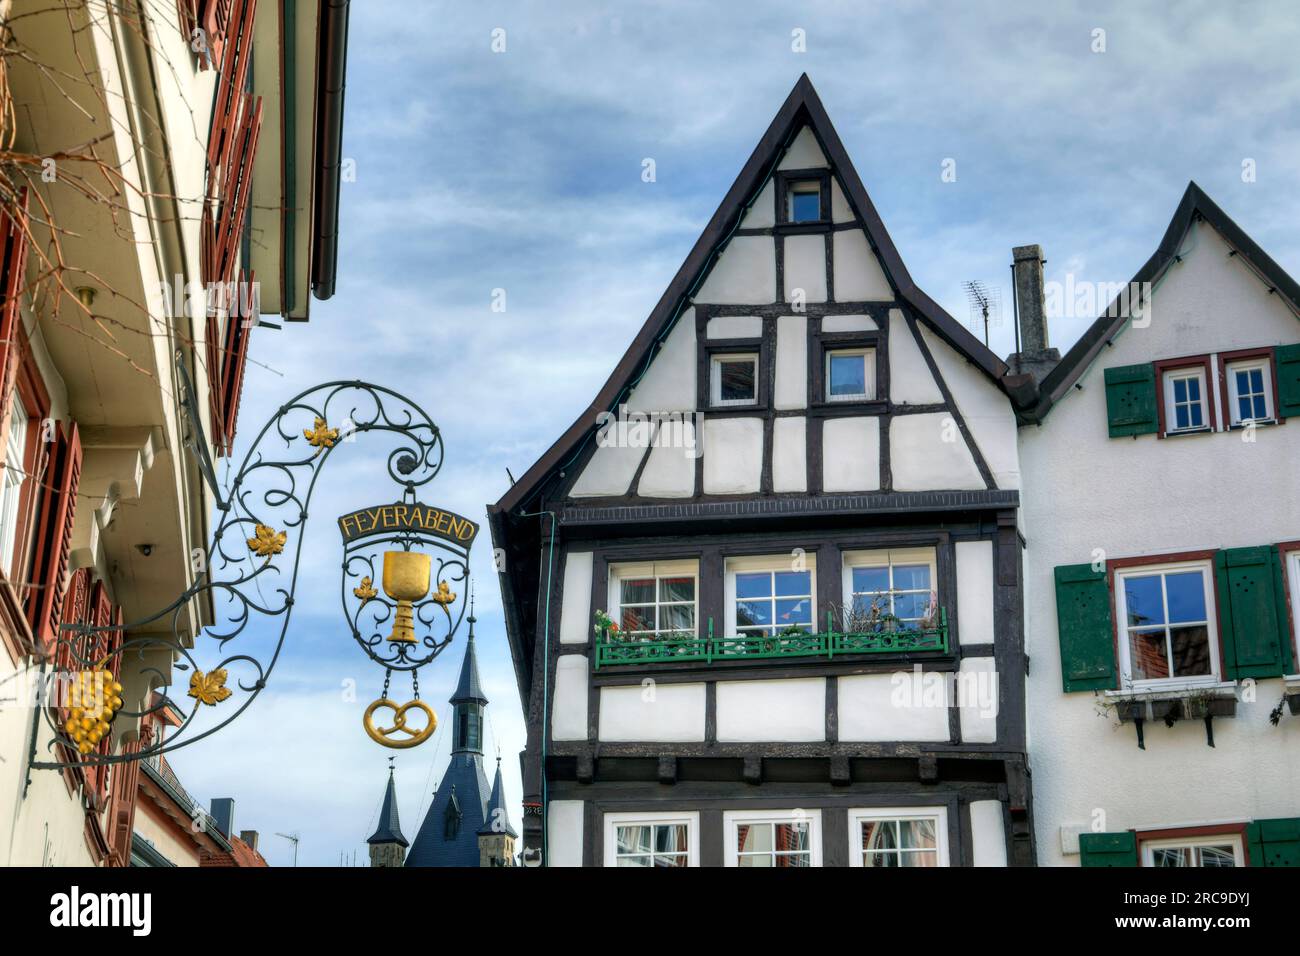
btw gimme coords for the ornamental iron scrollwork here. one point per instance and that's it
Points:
(251, 569)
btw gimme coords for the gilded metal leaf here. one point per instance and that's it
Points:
(267, 541)
(209, 688)
(320, 435)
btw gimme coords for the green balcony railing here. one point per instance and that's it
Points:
(618, 650)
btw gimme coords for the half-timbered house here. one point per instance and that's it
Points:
(764, 596)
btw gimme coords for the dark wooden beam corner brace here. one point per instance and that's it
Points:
(668, 770)
(586, 767)
(840, 776)
(927, 768)
(753, 770)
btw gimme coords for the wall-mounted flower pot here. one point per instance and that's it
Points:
(1293, 702)
(1166, 710)
(1223, 707)
(1131, 710)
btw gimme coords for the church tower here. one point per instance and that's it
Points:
(387, 845)
(449, 833)
(496, 838)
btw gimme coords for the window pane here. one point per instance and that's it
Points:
(1144, 601)
(1197, 420)
(879, 835)
(677, 617)
(637, 619)
(1194, 389)
(633, 861)
(677, 589)
(791, 836)
(924, 858)
(1243, 382)
(1147, 654)
(670, 838)
(753, 585)
(638, 591)
(790, 611)
(1256, 380)
(1261, 409)
(848, 375)
(916, 834)
(754, 837)
(870, 580)
(912, 577)
(1168, 856)
(1191, 651)
(737, 381)
(678, 859)
(1243, 407)
(806, 206)
(1218, 856)
(793, 583)
(910, 607)
(634, 839)
(880, 859)
(752, 613)
(1180, 390)
(759, 859)
(1181, 418)
(1186, 593)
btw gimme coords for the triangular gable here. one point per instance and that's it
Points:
(1194, 205)
(779, 147)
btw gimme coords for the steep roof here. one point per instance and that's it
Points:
(497, 818)
(468, 688)
(802, 108)
(465, 785)
(389, 829)
(1194, 205)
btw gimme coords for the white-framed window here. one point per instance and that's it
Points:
(898, 836)
(652, 839)
(1187, 406)
(733, 379)
(12, 477)
(1167, 627)
(850, 375)
(768, 595)
(1250, 391)
(1222, 850)
(786, 838)
(1293, 563)
(897, 586)
(804, 200)
(654, 599)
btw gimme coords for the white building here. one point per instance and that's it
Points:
(1162, 585)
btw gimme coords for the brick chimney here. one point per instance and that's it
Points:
(1035, 357)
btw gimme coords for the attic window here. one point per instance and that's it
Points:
(804, 201)
(850, 375)
(733, 379)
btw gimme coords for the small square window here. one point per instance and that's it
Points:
(1186, 402)
(1250, 391)
(734, 379)
(850, 375)
(804, 201)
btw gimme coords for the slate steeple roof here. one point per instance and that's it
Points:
(497, 818)
(389, 829)
(468, 688)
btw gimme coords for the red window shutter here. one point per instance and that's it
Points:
(236, 193)
(230, 386)
(13, 269)
(230, 35)
(52, 544)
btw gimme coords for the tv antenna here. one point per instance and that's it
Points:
(292, 838)
(985, 302)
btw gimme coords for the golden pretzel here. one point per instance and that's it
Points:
(381, 735)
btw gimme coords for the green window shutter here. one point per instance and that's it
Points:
(1131, 400)
(1252, 613)
(1274, 842)
(1084, 628)
(1108, 849)
(1286, 365)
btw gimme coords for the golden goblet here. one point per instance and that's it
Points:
(406, 579)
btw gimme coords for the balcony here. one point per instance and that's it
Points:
(614, 650)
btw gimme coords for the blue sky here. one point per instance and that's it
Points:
(521, 170)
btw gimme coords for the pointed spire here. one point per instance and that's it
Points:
(389, 829)
(497, 819)
(468, 688)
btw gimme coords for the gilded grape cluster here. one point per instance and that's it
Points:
(95, 700)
